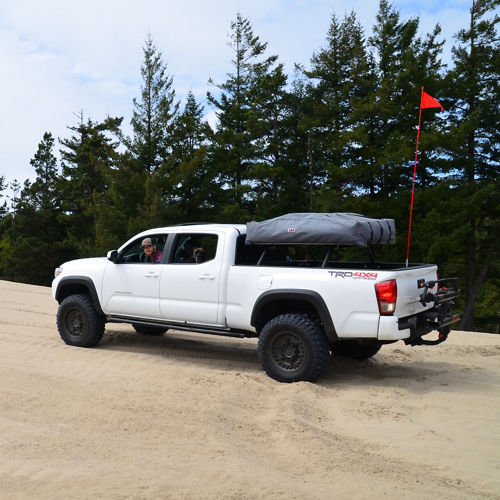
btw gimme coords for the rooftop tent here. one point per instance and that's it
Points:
(322, 228)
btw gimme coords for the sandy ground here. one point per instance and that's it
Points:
(193, 416)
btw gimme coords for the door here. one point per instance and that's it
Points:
(131, 287)
(189, 284)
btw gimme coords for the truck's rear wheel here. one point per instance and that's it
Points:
(149, 330)
(78, 322)
(292, 347)
(357, 349)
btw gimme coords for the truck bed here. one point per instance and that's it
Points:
(385, 266)
(312, 256)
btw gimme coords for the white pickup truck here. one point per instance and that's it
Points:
(294, 294)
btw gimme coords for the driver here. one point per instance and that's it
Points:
(153, 255)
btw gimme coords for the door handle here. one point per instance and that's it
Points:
(151, 275)
(206, 277)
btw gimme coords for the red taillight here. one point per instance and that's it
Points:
(387, 294)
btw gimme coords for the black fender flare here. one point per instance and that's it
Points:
(309, 297)
(75, 284)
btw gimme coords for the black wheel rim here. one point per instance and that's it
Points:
(288, 352)
(74, 323)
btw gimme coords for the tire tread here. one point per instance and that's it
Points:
(96, 323)
(320, 350)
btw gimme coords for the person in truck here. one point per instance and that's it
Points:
(193, 252)
(153, 255)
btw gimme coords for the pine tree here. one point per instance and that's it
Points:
(476, 94)
(15, 187)
(338, 78)
(474, 149)
(89, 159)
(35, 231)
(190, 131)
(405, 62)
(243, 133)
(43, 192)
(5, 244)
(188, 187)
(154, 111)
(269, 120)
(3, 206)
(303, 172)
(125, 196)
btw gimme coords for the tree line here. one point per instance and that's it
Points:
(337, 135)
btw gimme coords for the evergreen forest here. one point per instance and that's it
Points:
(337, 135)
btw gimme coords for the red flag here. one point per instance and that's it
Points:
(427, 101)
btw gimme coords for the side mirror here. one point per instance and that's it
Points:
(114, 256)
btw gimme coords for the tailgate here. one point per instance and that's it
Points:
(410, 282)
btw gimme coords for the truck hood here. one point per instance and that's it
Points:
(86, 265)
(83, 262)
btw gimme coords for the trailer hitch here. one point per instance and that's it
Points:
(440, 317)
(442, 336)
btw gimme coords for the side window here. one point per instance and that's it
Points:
(247, 255)
(194, 248)
(134, 253)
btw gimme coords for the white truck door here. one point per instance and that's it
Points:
(132, 287)
(190, 282)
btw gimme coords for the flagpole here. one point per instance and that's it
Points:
(414, 174)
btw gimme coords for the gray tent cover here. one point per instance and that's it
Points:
(322, 228)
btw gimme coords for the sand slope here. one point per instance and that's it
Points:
(193, 416)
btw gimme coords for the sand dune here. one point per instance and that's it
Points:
(192, 416)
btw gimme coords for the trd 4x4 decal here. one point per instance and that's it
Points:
(358, 275)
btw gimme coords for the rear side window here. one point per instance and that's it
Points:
(276, 255)
(247, 255)
(194, 248)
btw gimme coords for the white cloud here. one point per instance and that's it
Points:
(61, 57)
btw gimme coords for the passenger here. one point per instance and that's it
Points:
(193, 252)
(153, 255)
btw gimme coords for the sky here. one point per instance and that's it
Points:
(61, 58)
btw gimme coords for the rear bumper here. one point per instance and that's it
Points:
(388, 329)
(411, 330)
(438, 318)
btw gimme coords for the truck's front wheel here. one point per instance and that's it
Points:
(293, 347)
(78, 322)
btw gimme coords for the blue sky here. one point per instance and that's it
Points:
(60, 58)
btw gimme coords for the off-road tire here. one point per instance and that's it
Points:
(149, 330)
(356, 349)
(78, 322)
(292, 348)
